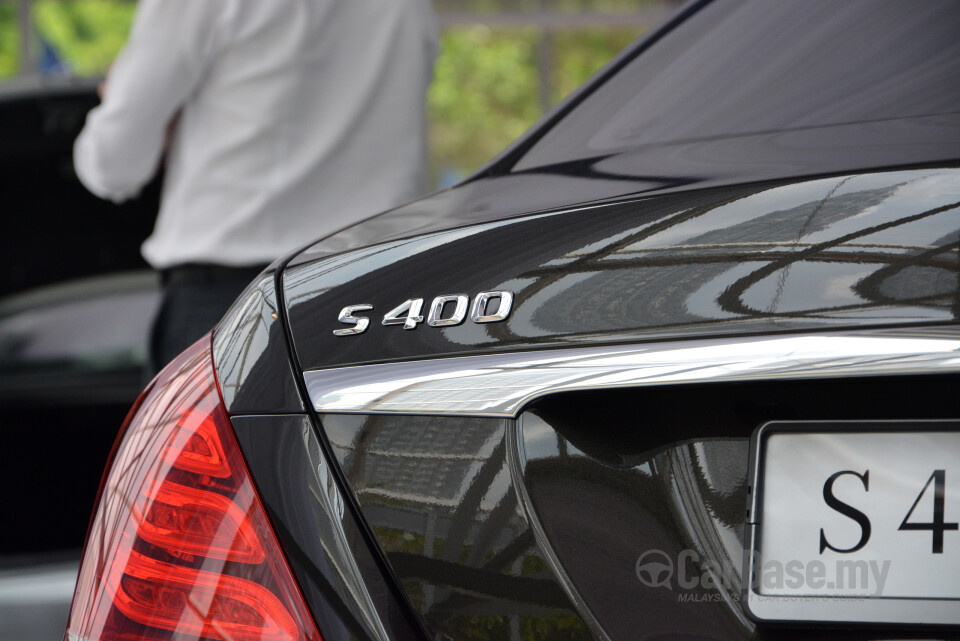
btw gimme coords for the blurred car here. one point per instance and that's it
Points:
(679, 364)
(76, 302)
(71, 363)
(54, 230)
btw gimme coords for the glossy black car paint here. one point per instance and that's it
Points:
(276, 449)
(250, 351)
(438, 494)
(497, 529)
(718, 261)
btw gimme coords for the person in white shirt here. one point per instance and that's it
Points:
(282, 121)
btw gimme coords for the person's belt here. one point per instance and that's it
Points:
(206, 273)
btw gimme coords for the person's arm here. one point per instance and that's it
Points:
(170, 47)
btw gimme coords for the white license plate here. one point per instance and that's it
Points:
(855, 522)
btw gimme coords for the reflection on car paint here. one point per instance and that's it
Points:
(439, 496)
(868, 249)
(250, 351)
(687, 496)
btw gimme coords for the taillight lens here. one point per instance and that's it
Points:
(180, 546)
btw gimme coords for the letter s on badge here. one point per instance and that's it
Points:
(360, 323)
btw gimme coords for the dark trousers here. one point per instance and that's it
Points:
(195, 298)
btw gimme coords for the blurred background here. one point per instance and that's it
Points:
(76, 298)
(502, 63)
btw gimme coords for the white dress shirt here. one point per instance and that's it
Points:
(297, 118)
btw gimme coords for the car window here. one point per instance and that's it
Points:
(737, 68)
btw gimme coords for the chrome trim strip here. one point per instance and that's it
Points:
(499, 385)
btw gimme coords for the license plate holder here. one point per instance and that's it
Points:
(854, 522)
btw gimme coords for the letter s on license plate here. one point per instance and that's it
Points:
(855, 522)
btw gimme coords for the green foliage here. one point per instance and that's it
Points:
(578, 54)
(87, 34)
(534, 566)
(606, 6)
(9, 40)
(486, 86)
(484, 93)
(532, 6)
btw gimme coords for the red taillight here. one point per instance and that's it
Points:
(180, 546)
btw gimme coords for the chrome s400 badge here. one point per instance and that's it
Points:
(445, 311)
